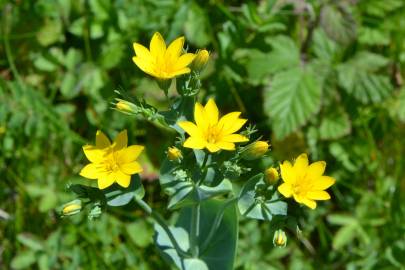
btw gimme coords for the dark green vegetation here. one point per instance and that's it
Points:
(323, 77)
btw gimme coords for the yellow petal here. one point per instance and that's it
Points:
(199, 117)
(190, 128)
(287, 172)
(194, 143)
(211, 111)
(90, 171)
(310, 203)
(184, 60)
(316, 169)
(121, 141)
(102, 140)
(231, 123)
(157, 46)
(142, 52)
(323, 182)
(226, 145)
(131, 168)
(235, 138)
(318, 195)
(145, 65)
(106, 180)
(174, 49)
(129, 154)
(93, 154)
(177, 73)
(301, 163)
(122, 179)
(212, 147)
(285, 190)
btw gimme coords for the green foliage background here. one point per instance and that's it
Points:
(323, 77)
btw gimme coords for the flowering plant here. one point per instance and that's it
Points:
(199, 174)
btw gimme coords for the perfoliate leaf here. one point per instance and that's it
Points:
(293, 96)
(259, 201)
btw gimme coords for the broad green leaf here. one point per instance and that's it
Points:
(50, 33)
(335, 124)
(344, 236)
(220, 253)
(284, 55)
(359, 77)
(140, 233)
(292, 98)
(197, 27)
(31, 241)
(259, 201)
(373, 36)
(338, 22)
(69, 87)
(23, 260)
(324, 48)
(123, 196)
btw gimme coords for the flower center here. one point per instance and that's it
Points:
(111, 164)
(212, 134)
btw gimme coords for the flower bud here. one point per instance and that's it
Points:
(271, 175)
(174, 154)
(280, 238)
(72, 208)
(124, 106)
(200, 60)
(255, 150)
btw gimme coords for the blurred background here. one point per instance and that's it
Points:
(322, 77)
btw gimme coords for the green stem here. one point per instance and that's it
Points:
(216, 223)
(163, 224)
(194, 230)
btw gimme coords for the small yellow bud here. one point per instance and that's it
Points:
(255, 150)
(271, 175)
(72, 208)
(174, 154)
(2, 129)
(200, 60)
(280, 238)
(124, 106)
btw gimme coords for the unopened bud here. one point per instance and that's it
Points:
(200, 60)
(72, 208)
(124, 106)
(271, 175)
(174, 154)
(255, 150)
(280, 238)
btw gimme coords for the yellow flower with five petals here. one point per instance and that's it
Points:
(161, 62)
(212, 132)
(305, 182)
(111, 162)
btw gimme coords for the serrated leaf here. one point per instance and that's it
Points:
(284, 55)
(324, 48)
(335, 124)
(293, 96)
(372, 36)
(358, 77)
(338, 22)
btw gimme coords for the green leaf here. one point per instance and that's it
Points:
(338, 23)
(324, 48)
(31, 241)
(284, 55)
(292, 98)
(373, 36)
(335, 124)
(344, 236)
(197, 27)
(69, 88)
(401, 105)
(23, 260)
(140, 233)
(358, 77)
(123, 196)
(258, 201)
(50, 33)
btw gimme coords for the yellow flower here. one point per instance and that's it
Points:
(200, 60)
(271, 175)
(174, 154)
(255, 150)
(212, 132)
(111, 163)
(161, 62)
(306, 183)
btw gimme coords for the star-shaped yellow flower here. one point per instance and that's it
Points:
(212, 132)
(161, 62)
(111, 163)
(306, 183)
